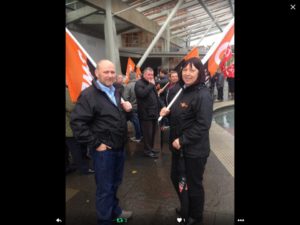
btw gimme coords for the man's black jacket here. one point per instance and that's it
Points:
(147, 100)
(96, 119)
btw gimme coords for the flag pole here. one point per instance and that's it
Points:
(171, 103)
(164, 87)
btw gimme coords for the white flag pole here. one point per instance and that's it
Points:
(171, 103)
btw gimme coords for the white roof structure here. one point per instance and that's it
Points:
(195, 19)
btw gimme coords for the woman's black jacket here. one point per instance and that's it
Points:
(191, 117)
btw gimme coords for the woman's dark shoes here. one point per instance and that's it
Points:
(192, 221)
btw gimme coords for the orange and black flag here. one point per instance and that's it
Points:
(138, 72)
(80, 68)
(216, 53)
(130, 68)
(193, 53)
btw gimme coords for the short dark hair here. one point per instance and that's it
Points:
(172, 71)
(164, 71)
(198, 64)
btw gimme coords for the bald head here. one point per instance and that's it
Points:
(103, 62)
(106, 72)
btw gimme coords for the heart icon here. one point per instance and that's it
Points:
(179, 219)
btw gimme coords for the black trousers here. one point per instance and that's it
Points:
(194, 172)
(220, 93)
(148, 128)
(230, 84)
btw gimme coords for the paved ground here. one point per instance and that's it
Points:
(147, 189)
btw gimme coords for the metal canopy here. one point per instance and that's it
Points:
(191, 21)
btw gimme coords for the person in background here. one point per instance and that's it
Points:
(78, 151)
(129, 95)
(230, 80)
(161, 83)
(212, 84)
(219, 76)
(99, 121)
(119, 84)
(148, 109)
(172, 87)
(170, 91)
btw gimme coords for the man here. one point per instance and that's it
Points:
(129, 95)
(98, 120)
(219, 83)
(148, 109)
(172, 88)
(161, 83)
(119, 84)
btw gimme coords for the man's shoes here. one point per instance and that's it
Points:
(125, 214)
(135, 140)
(90, 171)
(155, 151)
(151, 155)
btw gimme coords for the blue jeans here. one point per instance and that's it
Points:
(109, 167)
(136, 123)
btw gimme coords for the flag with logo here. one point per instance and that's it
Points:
(213, 57)
(227, 56)
(80, 67)
(230, 71)
(226, 61)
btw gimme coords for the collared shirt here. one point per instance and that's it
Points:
(109, 91)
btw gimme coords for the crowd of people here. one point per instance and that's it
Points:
(98, 127)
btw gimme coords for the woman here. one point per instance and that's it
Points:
(190, 120)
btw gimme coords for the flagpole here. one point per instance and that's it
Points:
(162, 89)
(171, 103)
(158, 35)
